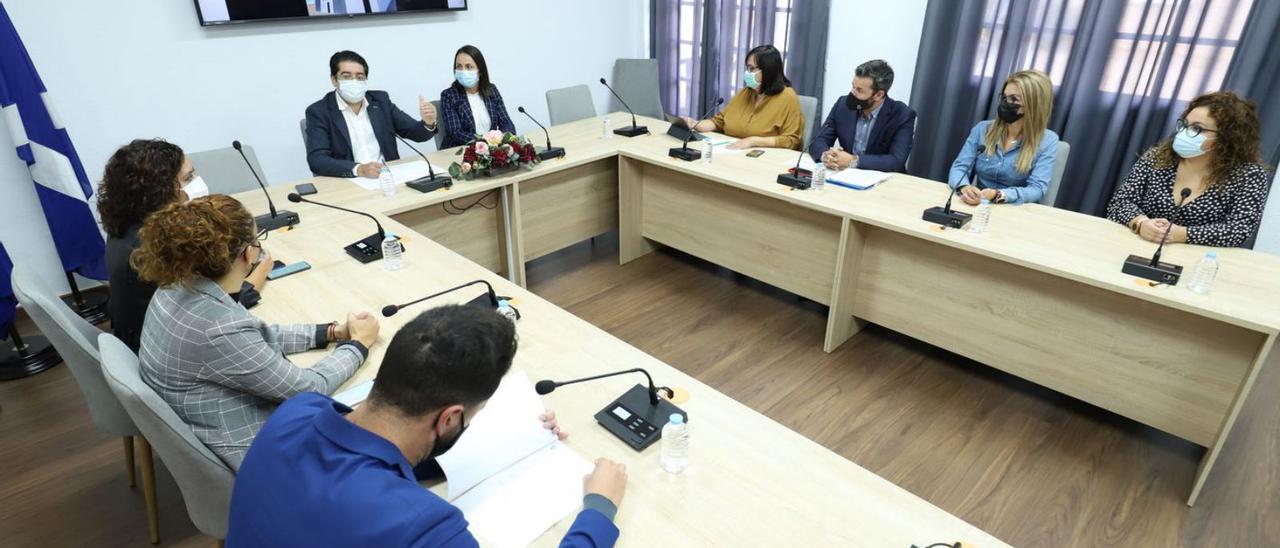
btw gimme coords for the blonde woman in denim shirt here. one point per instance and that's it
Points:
(1017, 162)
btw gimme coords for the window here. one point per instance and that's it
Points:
(736, 21)
(1147, 53)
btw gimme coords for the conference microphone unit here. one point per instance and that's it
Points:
(489, 300)
(274, 219)
(797, 178)
(945, 216)
(365, 250)
(683, 151)
(1152, 269)
(630, 131)
(432, 182)
(636, 417)
(549, 152)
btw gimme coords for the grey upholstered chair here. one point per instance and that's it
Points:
(570, 104)
(202, 477)
(636, 80)
(1059, 168)
(809, 109)
(439, 138)
(224, 171)
(76, 340)
(302, 125)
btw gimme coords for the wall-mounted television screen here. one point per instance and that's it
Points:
(221, 12)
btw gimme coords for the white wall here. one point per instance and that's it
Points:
(894, 35)
(145, 68)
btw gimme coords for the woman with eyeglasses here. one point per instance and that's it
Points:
(1016, 163)
(1214, 154)
(766, 113)
(222, 369)
(140, 178)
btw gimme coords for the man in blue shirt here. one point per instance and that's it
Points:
(320, 474)
(874, 131)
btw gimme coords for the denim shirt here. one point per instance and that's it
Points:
(997, 170)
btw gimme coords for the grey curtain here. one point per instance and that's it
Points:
(706, 62)
(1255, 72)
(1123, 72)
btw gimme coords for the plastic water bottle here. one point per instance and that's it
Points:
(819, 180)
(607, 130)
(1202, 277)
(386, 181)
(981, 217)
(392, 252)
(675, 444)
(504, 308)
(707, 147)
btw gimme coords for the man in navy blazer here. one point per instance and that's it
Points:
(321, 474)
(352, 131)
(874, 131)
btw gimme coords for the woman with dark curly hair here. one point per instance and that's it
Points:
(1214, 155)
(140, 178)
(222, 369)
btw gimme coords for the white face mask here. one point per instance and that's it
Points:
(352, 91)
(196, 189)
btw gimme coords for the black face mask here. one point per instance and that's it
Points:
(857, 105)
(1009, 112)
(442, 446)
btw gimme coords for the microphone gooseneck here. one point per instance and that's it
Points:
(270, 204)
(624, 103)
(713, 108)
(391, 309)
(545, 387)
(431, 172)
(1155, 259)
(297, 198)
(972, 174)
(535, 120)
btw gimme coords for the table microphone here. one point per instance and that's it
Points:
(1152, 269)
(275, 219)
(944, 215)
(683, 152)
(431, 182)
(797, 178)
(550, 152)
(636, 417)
(365, 250)
(632, 131)
(489, 298)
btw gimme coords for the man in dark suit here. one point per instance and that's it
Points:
(874, 131)
(351, 132)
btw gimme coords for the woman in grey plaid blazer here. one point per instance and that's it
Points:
(222, 369)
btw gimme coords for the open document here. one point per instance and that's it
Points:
(510, 476)
(856, 179)
(401, 173)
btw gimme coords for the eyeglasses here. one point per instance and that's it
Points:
(1193, 130)
(262, 235)
(347, 77)
(1011, 99)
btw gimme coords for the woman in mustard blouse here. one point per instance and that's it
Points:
(764, 114)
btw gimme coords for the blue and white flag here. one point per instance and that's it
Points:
(43, 143)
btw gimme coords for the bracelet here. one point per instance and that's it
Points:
(331, 333)
(1137, 227)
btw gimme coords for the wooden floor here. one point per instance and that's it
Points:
(1030, 466)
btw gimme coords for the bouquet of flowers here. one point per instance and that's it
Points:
(494, 153)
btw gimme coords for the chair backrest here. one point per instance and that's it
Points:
(302, 126)
(1059, 168)
(570, 104)
(204, 479)
(809, 109)
(1253, 235)
(224, 171)
(636, 80)
(76, 340)
(439, 139)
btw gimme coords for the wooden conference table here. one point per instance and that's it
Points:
(1039, 295)
(751, 481)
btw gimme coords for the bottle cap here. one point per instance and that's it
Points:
(1211, 255)
(390, 236)
(676, 418)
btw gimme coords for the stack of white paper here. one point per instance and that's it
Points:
(510, 476)
(401, 173)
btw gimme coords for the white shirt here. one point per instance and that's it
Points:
(479, 112)
(364, 144)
